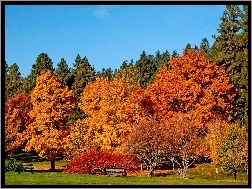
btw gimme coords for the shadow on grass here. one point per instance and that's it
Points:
(162, 174)
(28, 157)
(46, 171)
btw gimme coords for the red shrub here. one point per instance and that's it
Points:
(102, 159)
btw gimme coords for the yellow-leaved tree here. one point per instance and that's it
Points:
(228, 146)
(111, 109)
(52, 102)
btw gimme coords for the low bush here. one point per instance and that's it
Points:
(102, 159)
(12, 165)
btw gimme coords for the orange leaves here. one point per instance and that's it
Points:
(194, 86)
(111, 111)
(52, 102)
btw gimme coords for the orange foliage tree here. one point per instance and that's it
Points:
(111, 110)
(52, 101)
(195, 86)
(16, 121)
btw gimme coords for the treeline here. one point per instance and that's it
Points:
(72, 110)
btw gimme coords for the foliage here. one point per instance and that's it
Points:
(17, 119)
(231, 52)
(161, 60)
(182, 141)
(175, 137)
(127, 72)
(228, 145)
(102, 159)
(13, 80)
(148, 140)
(43, 62)
(77, 140)
(195, 86)
(62, 71)
(111, 109)
(83, 73)
(145, 69)
(51, 101)
(108, 73)
(204, 46)
(12, 165)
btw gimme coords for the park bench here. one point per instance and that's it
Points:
(28, 166)
(96, 170)
(110, 171)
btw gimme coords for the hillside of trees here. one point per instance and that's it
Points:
(188, 106)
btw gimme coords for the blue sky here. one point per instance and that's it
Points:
(106, 35)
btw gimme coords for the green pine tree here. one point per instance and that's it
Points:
(146, 69)
(43, 62)
(62, 71)
(204, 45)
(83, 73)
(231, 52)
(13, 80)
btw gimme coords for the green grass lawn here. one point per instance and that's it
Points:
(202, 174)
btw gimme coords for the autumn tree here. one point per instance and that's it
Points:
(231, 52)
(152, 139)
(194, 85)
(182, 141)
(16, 121)
(13, 80)
(111, 110)
(227, 144)
(43, 62)
(51, 101)
(78, 139)
(148, 140)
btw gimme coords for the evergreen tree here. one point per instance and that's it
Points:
(13, 80)
(43, 62)
(204, 45)
(62, 71)
(162, 59)
(83, 73)
(188, 46)
(108, 73)
(231, 48)
(146, 69)
(175, 54)
(78, 78)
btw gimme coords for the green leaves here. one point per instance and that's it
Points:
(231, 52)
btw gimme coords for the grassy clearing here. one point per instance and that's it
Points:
(202, 174)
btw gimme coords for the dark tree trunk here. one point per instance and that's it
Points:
(235, 172)
(53, 165)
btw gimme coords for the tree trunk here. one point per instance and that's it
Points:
(235, 172)
(53, 165)
(216, 171)
(151, 171)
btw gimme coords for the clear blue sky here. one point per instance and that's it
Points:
(106, 35)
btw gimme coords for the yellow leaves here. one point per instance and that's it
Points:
(111, 109)
(52, 101)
